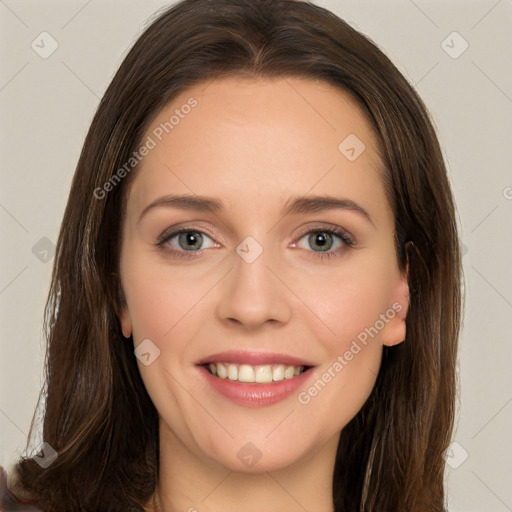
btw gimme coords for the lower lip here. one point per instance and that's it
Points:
(255, 395)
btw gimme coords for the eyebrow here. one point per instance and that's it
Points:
(297, 205)
(314, 204)
(185, 202)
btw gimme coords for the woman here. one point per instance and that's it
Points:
(255, 303)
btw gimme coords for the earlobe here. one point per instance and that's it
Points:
(395, 331)
(126, 323)
(121, 309)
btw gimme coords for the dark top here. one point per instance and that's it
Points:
(9, 502)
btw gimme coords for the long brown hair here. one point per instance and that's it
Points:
(98, 415)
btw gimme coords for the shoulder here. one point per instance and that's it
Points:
(9, 501)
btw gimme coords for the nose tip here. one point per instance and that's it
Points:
(251, 322)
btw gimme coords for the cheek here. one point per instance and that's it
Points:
(342, 384)
(350, 302)
(160, 298)
(165, 306)
(349, 299)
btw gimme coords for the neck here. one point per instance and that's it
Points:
(189, 483)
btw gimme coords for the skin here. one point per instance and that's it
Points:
(254, 144)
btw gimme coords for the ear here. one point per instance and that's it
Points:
(121, 311)
(395, 330)
(126, 322)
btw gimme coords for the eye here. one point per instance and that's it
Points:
(187, 240)
(324, 240)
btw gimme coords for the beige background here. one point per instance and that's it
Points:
(47, 105)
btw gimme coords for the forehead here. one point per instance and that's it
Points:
(250, 140)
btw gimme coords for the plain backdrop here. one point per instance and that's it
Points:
(458, 54)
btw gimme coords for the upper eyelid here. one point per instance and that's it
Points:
(171, 232)
(337, 230)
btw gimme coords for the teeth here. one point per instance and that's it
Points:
(221, 370)
(233, 372)
(278, 372)
(289, 372)
(263, 374)
(245, 373)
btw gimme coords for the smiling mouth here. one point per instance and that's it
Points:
(255, 374)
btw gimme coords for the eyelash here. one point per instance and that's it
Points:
(341, 234)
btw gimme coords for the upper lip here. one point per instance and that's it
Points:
(254, 358)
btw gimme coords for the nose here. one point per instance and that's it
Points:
(253, 296)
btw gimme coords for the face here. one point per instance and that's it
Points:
(259, 269)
